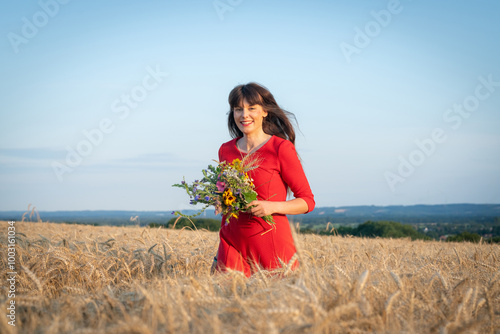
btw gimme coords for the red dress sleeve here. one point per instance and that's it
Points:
(293, 174)
(220, 153)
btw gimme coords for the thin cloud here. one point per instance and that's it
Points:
(31, 153)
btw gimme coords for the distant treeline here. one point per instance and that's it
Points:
(359, 219)
(472, 237)
(457, 222)
(389, 229)
(373, 229)
(369, 229)
(453, 214)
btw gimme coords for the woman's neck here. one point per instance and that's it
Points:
(251, 143)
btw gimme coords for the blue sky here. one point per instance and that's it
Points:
(106, 104)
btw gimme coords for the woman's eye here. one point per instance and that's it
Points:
(237, 109)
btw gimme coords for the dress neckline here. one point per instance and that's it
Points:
(261, 146)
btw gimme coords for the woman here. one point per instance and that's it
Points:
(259, 126)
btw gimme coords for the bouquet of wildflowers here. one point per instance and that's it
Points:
(226, 186)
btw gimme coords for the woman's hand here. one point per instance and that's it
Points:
(261, 208)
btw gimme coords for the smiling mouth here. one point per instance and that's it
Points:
(246, 123)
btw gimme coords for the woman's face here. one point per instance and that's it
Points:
(249, 118)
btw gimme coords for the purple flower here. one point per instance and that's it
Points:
(173, 212)
(207, 198)
(197, 198)
(183, 182)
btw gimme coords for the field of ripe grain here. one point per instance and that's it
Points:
(86, 279)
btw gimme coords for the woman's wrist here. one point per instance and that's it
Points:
(294, 206)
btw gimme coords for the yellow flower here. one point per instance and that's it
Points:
(228, 197)
(235, 215)
(247, 178)
(237, 164)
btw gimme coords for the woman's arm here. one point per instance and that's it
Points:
(295, 206)
(293, 175)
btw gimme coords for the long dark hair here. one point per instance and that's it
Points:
(277, 122)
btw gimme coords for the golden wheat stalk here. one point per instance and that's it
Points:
(33, 278)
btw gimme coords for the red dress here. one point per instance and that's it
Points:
(248, 240)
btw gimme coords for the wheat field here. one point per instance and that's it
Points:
(88, 279)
